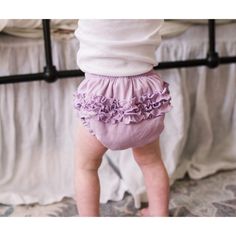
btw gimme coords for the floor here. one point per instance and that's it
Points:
(211, 196)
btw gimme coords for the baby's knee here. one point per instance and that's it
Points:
(147, 154)
(89, 164)
(147, 160)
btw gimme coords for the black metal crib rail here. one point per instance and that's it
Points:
(51, 74)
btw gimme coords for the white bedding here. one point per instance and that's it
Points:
(37, 121)
(65, 28)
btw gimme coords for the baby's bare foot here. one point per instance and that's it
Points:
(146, 213)
(143, 212)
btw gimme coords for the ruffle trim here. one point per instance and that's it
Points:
(112, 110)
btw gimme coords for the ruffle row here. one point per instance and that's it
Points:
(112, 110)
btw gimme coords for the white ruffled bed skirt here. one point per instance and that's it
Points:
(37, 121)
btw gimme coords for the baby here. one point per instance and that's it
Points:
(121, 104)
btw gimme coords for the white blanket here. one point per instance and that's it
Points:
(65, 28)
(37, 121)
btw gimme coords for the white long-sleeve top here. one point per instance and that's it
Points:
(118, 47)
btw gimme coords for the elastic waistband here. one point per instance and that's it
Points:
(94, 76)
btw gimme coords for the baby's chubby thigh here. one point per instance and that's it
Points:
(121, 136)
(89, 150)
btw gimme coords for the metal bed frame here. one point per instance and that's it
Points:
(51, 74)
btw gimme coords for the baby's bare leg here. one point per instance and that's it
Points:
(156, 179)
(89, 152)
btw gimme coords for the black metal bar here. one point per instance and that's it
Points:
(212, 55)
(21, 78)
(39, 76)
(50, 74)
(211, 32)
(71, 73)
(180, 64)
(227, 60)
(74, 73)
(47, 42)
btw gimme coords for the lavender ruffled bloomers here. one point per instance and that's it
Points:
(123, 112)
